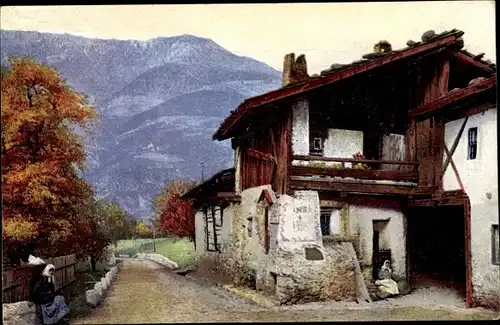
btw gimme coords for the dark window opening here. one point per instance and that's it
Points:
(472, 151)
(325, 221)
(266, 230)
(249, 227)
(495, 245)
(316, 146)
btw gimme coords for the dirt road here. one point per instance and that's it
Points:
(144, 292)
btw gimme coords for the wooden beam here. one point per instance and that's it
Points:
(356, 161)
(422, 203)
(454, 168)
(390, 175)
(224, 131)
(350, 187)
(464, 58)
(422, 112)
(462, 111)
(455, 144)
(469, 289)
(260, 155)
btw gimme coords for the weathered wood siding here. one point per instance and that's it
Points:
(425, 139)
(273, 142)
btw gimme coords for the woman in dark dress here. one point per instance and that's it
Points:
(50, 307)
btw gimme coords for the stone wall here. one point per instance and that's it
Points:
(19, 313)
(298, 267)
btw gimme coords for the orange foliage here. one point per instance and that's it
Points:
(42, 155)
(176, 214)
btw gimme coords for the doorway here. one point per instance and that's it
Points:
(437, 248)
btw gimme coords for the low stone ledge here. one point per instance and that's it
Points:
(96, 295)
(158, 258)
(19, 313)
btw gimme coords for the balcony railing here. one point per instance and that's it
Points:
(369, 169)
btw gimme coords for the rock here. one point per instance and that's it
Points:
(160, 259)
(374, 55)
(403, 287)
(382, 47)
(93, 297)
(104, 284)
(98, 288)
(428, 35)
(460, 43)
(325, 72)
(336, 66)
(19, 313)
(112, 260)
(315, 75)
(476, 80)
(108, 279)
(411, 43)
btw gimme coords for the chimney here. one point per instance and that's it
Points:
(294, 71)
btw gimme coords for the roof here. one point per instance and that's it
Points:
(222, 180)
(339, 72)
(474, 89)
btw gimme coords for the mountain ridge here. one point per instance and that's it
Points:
(173, 91)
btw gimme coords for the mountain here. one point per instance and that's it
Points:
(159, 100)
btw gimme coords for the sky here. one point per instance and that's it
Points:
(326, 33)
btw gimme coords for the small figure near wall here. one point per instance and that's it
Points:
(50, 306)
(389, 284)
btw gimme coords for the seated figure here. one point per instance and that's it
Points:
(390, 284)
(50, 306)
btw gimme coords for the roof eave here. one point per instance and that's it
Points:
(296, 89)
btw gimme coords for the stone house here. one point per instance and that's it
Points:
(390, 157)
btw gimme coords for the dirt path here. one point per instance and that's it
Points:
(144, 292)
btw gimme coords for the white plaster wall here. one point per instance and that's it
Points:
(199, 225)
(237, 169)
(300, 127)
(479, 177)
(361, 224)
(343, 143)
(199, 228)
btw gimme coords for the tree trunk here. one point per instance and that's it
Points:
(93, 262)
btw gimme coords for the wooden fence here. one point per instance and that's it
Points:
(64, 275)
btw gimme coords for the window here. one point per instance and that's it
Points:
(325, 221)
(472, 152)
(266, 230)
(316, 146)
(495, 245)
(249, 227)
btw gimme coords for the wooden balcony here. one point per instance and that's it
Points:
(374, 177)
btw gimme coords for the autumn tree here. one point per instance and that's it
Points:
(42, 156)
(176, 214)
(142, 230)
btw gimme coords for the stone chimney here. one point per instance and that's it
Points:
(294, 70)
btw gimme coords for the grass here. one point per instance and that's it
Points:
(180, 251)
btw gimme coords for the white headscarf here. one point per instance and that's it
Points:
(46, 273)
(387, 266)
